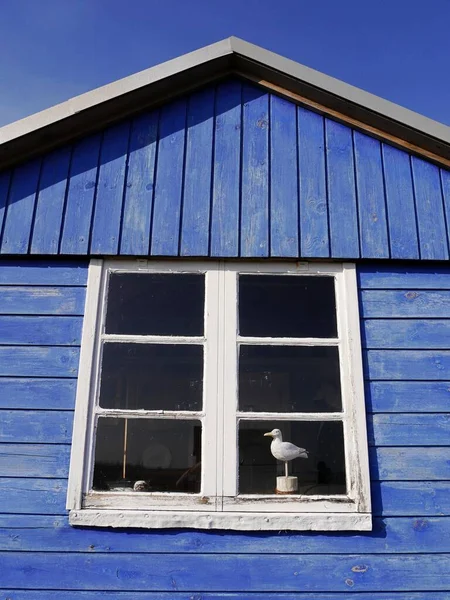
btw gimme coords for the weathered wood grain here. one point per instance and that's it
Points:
(409, 430)
(28, 533)
(400, 203)
(34, 460)
(20, 208)
(139, 185)
(198, 174)
(430, 210)
(371, 198)
(405, 303)
(36, 426)
(33, 497)
(404, 277)
(50, 202)
(341, 190)
(109, 194)
(226, 175)
(80, 196)
(314, 239)
(408, 396)
(38, 361)
(414, 498)
(46, 393)
(410, 464)
(38, 272)
(409, 365)
(283, 179)
(40, 300)
(165, 572)
(40, 331)
(255, 177)
(169, 180)
(94, 595)
(406, 333)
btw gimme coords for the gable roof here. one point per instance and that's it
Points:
(93, 110)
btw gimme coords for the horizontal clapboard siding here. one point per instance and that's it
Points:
(227, 171)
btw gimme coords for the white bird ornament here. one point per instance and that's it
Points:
(284, 451)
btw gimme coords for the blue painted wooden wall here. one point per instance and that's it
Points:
(228, 171)
(405, 328)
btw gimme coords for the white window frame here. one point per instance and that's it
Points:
(218, 505)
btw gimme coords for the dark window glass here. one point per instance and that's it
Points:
(155, 304)
(152, 376)
(163, 455)
(289, 379)
(287, 306)
(322, 473)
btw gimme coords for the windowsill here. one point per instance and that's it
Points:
(222, 520)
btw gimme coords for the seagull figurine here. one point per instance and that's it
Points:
(284, 451)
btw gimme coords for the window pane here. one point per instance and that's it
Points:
(165, 455)
(289, 379)
(152, 376)
(155, 304)
(322, 473)
(287, 306)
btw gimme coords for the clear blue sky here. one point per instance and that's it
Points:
(51, 50)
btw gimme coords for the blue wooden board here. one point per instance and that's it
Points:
(139, 187)
(406, 333)
(80, 196)
(38, 361)
(40, 300)
(416, 498)
(341, 191)
(255, 181)
(20, 208)
(36, 426)
(95, 595)
(169, 180)
(400, 203)
(42, 392)
(405, 303)
(228, 170)
(110, 187)
(50, 202)
(34, 497)
(224, 239)
(408, 396)
(371, 200)
(38, 272)
(28, 533)
(314, 239)
(241, 572)
(198, 174)
(410, 464)
(409, 430)
(408, 365)
(391, 276)
(40, 331)
(34, 460)
(284, 214)
(430, 210)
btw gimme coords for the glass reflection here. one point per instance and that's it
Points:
(322, 473)
(287, 306)
(152, 376)
(155, 304)
(289, 379)
(162, 455)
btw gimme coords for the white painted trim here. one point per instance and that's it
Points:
(152, 339)
(217, 520)
(287, 416)
(81, 418)
(269, 341)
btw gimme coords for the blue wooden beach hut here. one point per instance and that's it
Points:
(223, 245)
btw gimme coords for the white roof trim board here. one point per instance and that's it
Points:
(76, 117)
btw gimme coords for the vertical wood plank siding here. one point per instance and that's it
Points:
(228, 171)
(405, 318)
